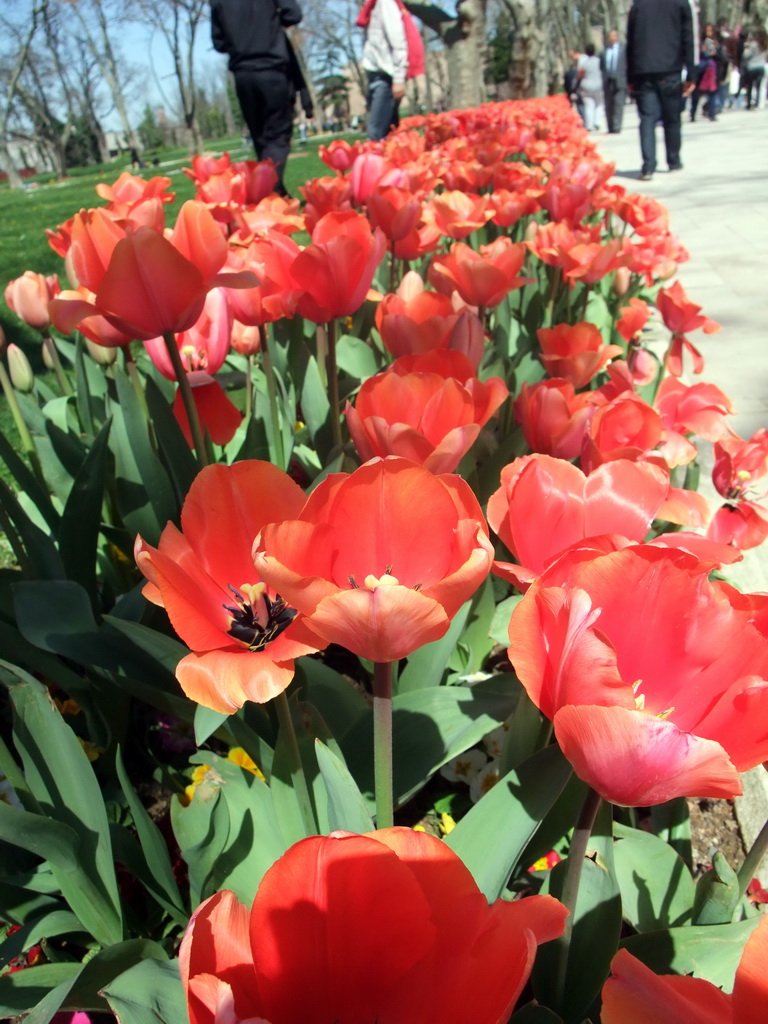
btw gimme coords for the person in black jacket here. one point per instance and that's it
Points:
(659, 46)
(252, 32)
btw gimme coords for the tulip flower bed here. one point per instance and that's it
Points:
(366, 633)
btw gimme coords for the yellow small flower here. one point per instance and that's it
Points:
(446, 823)
(91, 750)
(238, 756)
(67, 707)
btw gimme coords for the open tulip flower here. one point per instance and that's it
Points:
(635, 995)
(243, 636)
(153, 285)
(653, 676)
(383, 928)
(575, 352)
(546, 506)
(481, 278)
(336, 270)
(379, 560)
(427, 408)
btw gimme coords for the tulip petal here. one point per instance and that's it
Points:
(226, 508)
(217, 943)
(750, 988)
(327, 929)
(224, 680)
(384, 624)
(635, 995)
(636, 759)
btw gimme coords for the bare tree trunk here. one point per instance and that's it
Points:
(464, 40)
(6, 161)
(103, 53)
(527, 70)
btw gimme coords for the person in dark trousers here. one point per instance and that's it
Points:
(613, 64)
(659, 46)
(252, 33)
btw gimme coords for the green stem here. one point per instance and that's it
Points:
(135, 378)
(322, 354)
(27, 444)
(53, 354)
(392, 260)
(298, 778)
(553, 287)
(269, 374)
(249, 388)
(333, 385)
(749, 868)
(382, 743)
(15, 541)
(570, 894)
(186, 396)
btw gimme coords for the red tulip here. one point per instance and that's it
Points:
(244, 638)
(204, 346)
(680, 315)
(325, 195)
(339, 154)
(130, 190)
(458, 214)
(429, 409)
(553, 417)
(652, 674)
(481, 278)
(575, 352)
(217, 414)
(396, 211)
(635, 995)
(633, 319)
(546, 506)
(324, 939)
(336, 270)
(369, 573)
(624, 427)
(153, 285)
(28, 297)
(270, 260)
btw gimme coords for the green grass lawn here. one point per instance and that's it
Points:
(26, 213)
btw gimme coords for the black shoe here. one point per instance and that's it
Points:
(677, 167)
(646, 176)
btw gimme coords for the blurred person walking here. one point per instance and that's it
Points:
(753, 65)
(591, 88)
(252, 33)
(659, 47)
(613, 64)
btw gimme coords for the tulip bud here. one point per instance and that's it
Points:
(48, 361)
(22, 377)
(530, 231)
(411, 285)
(621, 281)
(104, 355)
(245, 340)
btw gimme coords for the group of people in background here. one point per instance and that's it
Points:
(730, 65)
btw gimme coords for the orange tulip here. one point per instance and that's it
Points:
(575, 352)
(153, 285)
(546, 506)
(396, 211)
(635, 995)
(652, 674)
(324, 939)
(481, 278)
(368, 573)
(553, 417)
(243, 636)
(428, 408)
(336, 270)
(458, 214)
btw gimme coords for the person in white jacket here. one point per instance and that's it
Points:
(385, 59)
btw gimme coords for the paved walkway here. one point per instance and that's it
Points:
(719, 209)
